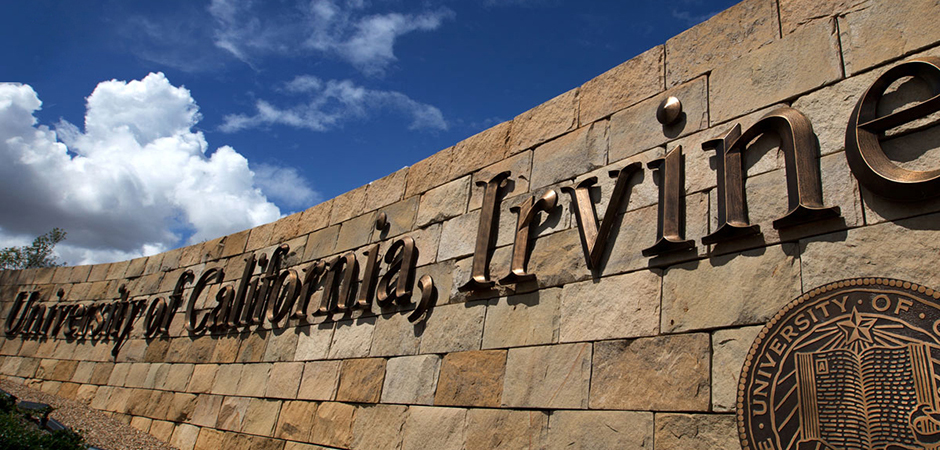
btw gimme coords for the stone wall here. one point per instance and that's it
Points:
(642, 352)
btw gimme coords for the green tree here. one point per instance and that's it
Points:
(38, 254)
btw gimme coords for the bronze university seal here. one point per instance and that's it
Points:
(849, 365)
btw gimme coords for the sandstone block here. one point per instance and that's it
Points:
(493, 429)
(206, 412)
(355, 232)
(386, 190)
(184, 436)
(583, 430)
(697, 431)
(209, 439)
(379, 427)
(261, 416)
(254, 379)
(321, 243)
(437, 428)
(162, 429)
(471, 378)
(141, 423)
(233, 244)
(320, 380)
(401, 218)
(294, 422)
(454, 328)
(635, 129)
(520, 168)
(729, 348)
(520, 320)
(411, 379)
(333, 424)
(558, 259)
(738, 30)
(287, 228)
(313, 341)
(443, 202)
(622, 86)
(252, 346)
(232, 413)
(570, 155)
(284, 381)
(458, 236)
(394, 335)
(181, 407)
(348, 205)
(544, 122)
(548, 377)
(482, 149)
(878, 31)
(667, 373)
(360, 380)
(203, 378)
(427, 241)
(767, 75)
(904, 250)
(259, 237)
(316, 217)
(616, 307)
(352, 338)
(430, 172)
(281, 346)
(732, 298)
(226, 380)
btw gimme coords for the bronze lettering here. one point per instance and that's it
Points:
(804, 189)
(197, 324)
(337, 291)
(428, 297)
(285, 294)
(526, 213)
(670, 226)
(21, 304)
(369, 278)
(870, 165)
(594, 239)
(396, 284)
(313, 275)
(486, 236)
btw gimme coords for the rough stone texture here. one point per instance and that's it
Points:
(880, 31)
(482, 149)
(379, 427)
(667, 373)
(360, 380)
(458, 236)
(321, 243)
(281, 345)
(729, 347)
(254, 380)
(316, 217)
(348, 205)
(621, 306)
(575, 153)
(320, 380)
(493, 429)
(395, 335)
(313, 342)
(520, 320)
(261, 417)
(746, 26)
(333, 424)
(635, 129)
(294, 422)
(209, 439)
(696, 431)
(906, 250)
(453, 328)
(443, 202)
(206, 411)
(284, 381)
(355, 232)
(401, 218)
(430, 172)
(548, 377)
(471, 379)
(719, 292)
(386, 190)
(544, 122)
(232, 413)
(352, 338)
(184, 437)
(411, 379)
(438, 428)
(519, 166)
(584, 430)
(767, 75)
(796, 13)
(622, 86)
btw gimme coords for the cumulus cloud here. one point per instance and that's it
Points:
(250, 30)
(137, 180)
(332, 102)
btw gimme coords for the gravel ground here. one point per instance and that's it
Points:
(99, 429)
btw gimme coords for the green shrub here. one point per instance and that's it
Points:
(18, 433)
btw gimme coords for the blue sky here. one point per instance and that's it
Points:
(225, 114)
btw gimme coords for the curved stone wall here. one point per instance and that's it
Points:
(387, 317)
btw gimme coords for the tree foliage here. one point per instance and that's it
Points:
(38, 254)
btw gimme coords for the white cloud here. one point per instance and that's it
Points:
(286, 185)
(333, 102)
(250, 30)
(136, 181)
